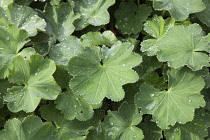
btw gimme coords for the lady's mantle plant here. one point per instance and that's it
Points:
(104, 69)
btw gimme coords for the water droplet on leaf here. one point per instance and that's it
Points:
(151, 105)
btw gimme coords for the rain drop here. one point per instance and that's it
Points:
(7, 38)
(151, 105)
(123, 64)
(189, 100)
(152, 95)
(36, 74)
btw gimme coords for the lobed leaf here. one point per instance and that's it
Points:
(92, 12)
(184, 45)
(11, 42)
(24, 17)
(34, 81)
(129, 17)
(95, 80)
(121, 125)
(30, 127)
(177, 104)
(60, 19)
(179, 9)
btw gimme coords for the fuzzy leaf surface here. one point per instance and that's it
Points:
(95, 80)
(177, 104)
(36, 76)
(184, 46)
(179, 9)
(24, 17)
(60, 19)
(11, 41)
(5, 3)
(69, 47)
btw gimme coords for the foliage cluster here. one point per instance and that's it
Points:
(104, 69)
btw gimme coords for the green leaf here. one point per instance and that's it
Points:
(24, 2)
(204, 16)
(184, 45)
(69, 47)
(34, 81)
(4, 84)
(194, 130)
(5, 3)
(25, 18)
(156, 28)
(65, 130)
(95, 80)
(153, 78)
(30, 128)
(107, 38)
(150, 129)
(73, 106)
(62, 76)
(179, 9)
(92, 12)
(129, 17)
(122, 124)
(149, 64)
(177, 104)
(60, 20)
(11, 42)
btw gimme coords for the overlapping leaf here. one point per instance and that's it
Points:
(4, 84)
(11, 41)
(194, 130)
(179, 9)
(34, 81)
(184, 45)
(156, 28)
(106, 38)
(65, 130)
(120, 125)
(129, 17)
(61, 53)
(5, 3)
(177, 104)
(60, 19)
(150, 129)
(92, 12)
(102, 74)
(24, 17)
(73, 106)
(30, 128)
(204, 16)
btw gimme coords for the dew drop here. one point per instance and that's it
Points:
(152, 95)
(176, 129)
(189, 100)
(151, 105)
(112, 123)
(123, 65)
(75, 106)
(36, 74)
(7, 38)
